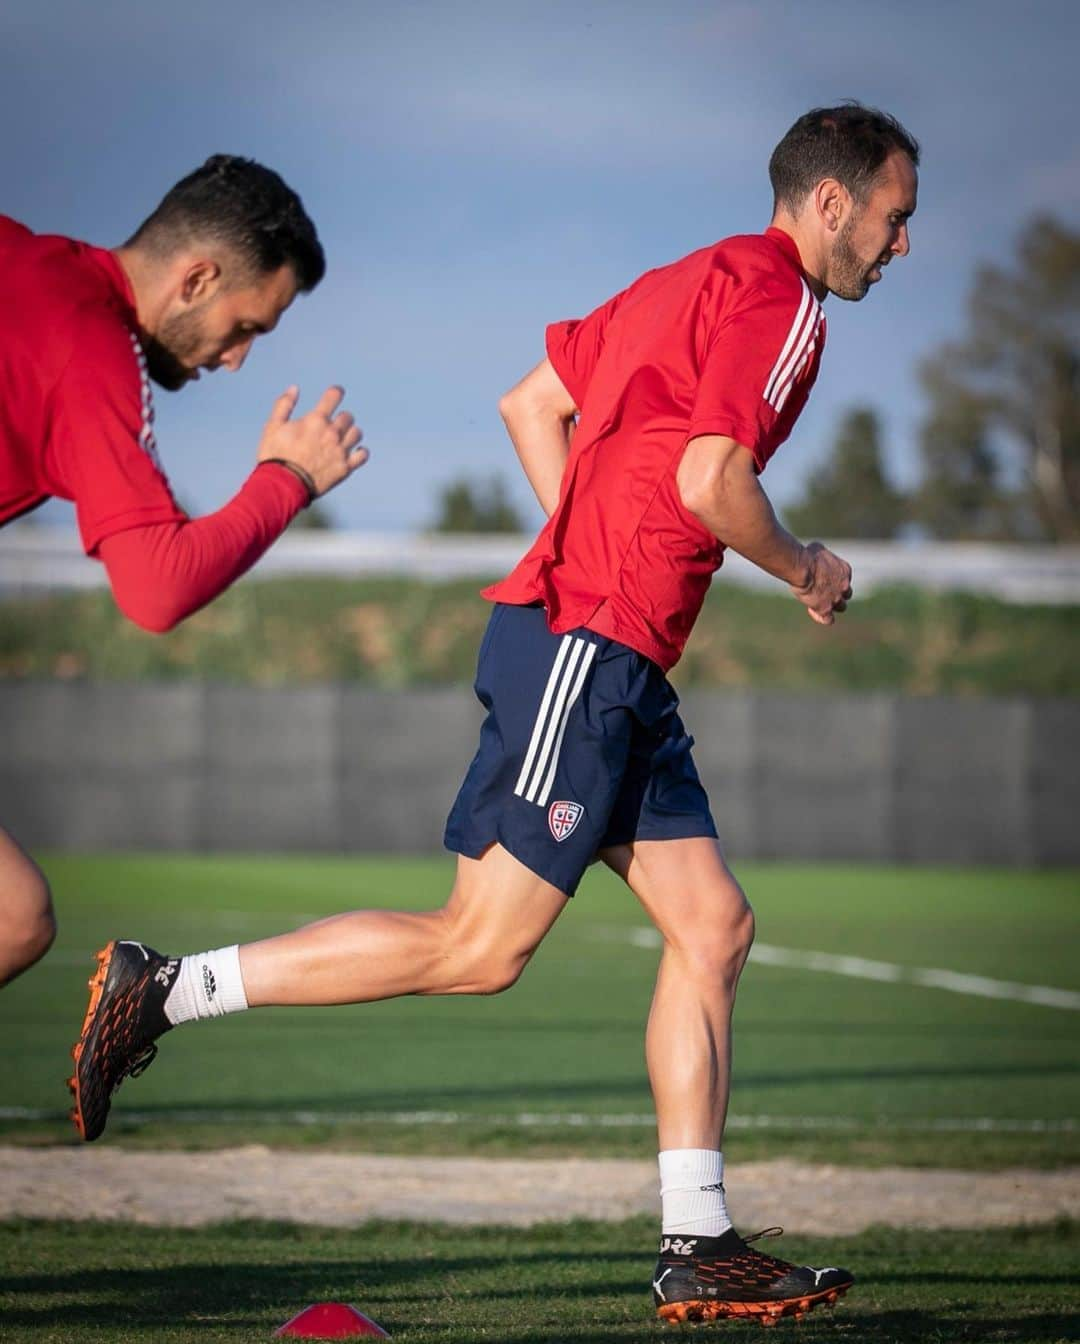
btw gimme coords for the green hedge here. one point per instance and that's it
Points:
(402, 632)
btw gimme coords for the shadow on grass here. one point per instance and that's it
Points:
(394, 1291)
(580, 1283)
(427, 1297)
(580, 1093)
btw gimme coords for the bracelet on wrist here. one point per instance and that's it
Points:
(301, 473)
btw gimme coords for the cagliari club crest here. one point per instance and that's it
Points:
(563, 817)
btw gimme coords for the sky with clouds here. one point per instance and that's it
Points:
(477, 170)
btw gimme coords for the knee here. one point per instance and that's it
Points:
(743, 930)
(479, 963)
(39, 936)
(720, 946)
(28, 927)
(493, 972)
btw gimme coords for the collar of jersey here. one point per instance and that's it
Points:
(786, 243)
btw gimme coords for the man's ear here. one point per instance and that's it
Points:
(200, 281)
(833, 203)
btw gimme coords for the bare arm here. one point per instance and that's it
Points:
(718, 485)
(539, 417)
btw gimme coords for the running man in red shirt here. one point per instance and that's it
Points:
(643, 433)
(83, 331)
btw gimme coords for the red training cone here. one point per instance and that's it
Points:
(330, 1320)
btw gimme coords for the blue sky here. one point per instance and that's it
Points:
(477, 170)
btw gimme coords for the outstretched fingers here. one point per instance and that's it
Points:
(329, 401)
(284, 406)
(323, 445)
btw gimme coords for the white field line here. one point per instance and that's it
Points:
(863, 968)
(562, 1120)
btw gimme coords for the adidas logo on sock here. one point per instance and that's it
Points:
(209, 984)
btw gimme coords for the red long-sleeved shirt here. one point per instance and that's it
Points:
(76, 422)
(162, 572)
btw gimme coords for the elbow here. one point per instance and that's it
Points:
(151, 577)
(712, 477)
(700, 487)
(154, 622)
(156, 614)
(508, 406)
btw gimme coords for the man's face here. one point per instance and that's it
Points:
(875, 231)
(215, 329)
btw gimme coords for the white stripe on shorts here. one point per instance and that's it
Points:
(590, 651)
(561, 692)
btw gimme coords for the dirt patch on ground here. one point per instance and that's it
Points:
(185, 1189)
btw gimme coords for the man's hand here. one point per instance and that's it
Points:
(324, 443)
(827, 589)
(718, 484)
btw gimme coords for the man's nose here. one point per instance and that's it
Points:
(234, 357)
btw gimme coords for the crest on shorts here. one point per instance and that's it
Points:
(563, 817)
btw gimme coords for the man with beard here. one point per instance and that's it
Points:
(643, 434)
(82, 332)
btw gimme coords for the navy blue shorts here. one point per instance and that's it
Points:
(582, 748)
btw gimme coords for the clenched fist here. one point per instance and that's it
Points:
(828, 589)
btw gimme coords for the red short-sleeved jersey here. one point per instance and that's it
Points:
(726, 341)
(76, 414)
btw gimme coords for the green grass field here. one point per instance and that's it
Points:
(828, 1066)
(585, 1283)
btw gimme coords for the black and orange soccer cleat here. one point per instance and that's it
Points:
(715, 1278)
(125, 1016)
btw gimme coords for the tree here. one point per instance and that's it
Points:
(314, 518)
(851, 496)
(1010, 392)
(476, 506)
(960, 496)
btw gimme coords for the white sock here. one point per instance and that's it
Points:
(692, 1192)
(207, 985)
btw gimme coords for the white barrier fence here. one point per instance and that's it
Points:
(36, 559)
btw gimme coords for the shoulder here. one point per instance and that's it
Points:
(59, 309)
(12, 233)
(752, 278)
(756, 263)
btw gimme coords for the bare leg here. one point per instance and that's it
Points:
(707, 927)
(27, 920)
(478, 943)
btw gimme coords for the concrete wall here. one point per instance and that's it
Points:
(193, 767)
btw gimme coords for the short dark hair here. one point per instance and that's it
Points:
(849, 142)
(247, 207)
